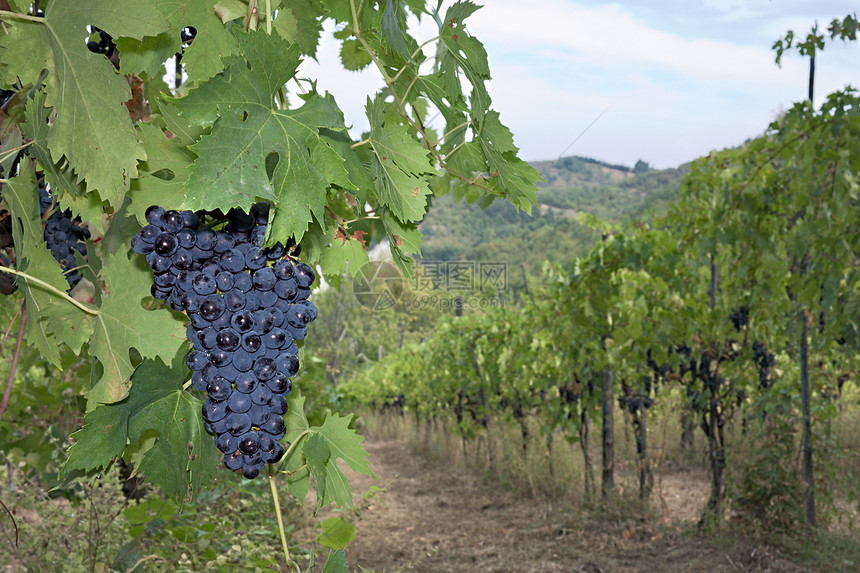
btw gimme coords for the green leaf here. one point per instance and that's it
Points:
(202, 59)
(344, 253)
(317, 455)
(353, 55)
(181, 456)
(122, 324)
(335, 563)
(163, 175)
(337, 533)
(92, 128)
(33, 258)
(391, 30)
(70, 193)
(231, 169)
(300, 23)
(400, 165)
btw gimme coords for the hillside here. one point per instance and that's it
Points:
(614, 193)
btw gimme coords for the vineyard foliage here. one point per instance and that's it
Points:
(97, 125)
(713, 302)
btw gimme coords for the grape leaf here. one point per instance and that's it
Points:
(299, 22)
(161, 416)
(201, 59)
(122, 324)
(163, 175)
(343, 443)
(400, 165)
(34, 259)
(70, 193)
(344, 253)
(231, 169)
(92, 128)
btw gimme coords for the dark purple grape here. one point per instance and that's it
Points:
(234, 461)
(238, 424)
(265, 368)
(267, 298)
(220, 357)
(242, 321)
(275, 338)
(224, 281)
(219, 389)
(227, 443)
(264, 279)
(154, 215)
(252, 471)
(283, 269)
(258, 413)
(148, 233)
(242, 282)
(304, 275)
(232, 261)
(260, 212)
(240, 220)
(187, 238)
(214, 411)
(251, 342)
(252, 301)
(172, 221)
(197, 381)
(255, 260)
(279, 384)
(249, 443)
(234, 300)
(140, 246)
(275, 426)
(207, 337)
(288, 364)
(206, 239)
(165, 244)
(287, 289)
(190, 219)
(267, 444)
(212, 307)
(228, 339)
(224, 242)
(203, 283)
(246, 382)
(242, 360)
(261, 395)
(239, 402)
(276, 454)
(278, 405)
(196, 360)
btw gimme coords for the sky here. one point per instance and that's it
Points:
(664, 81)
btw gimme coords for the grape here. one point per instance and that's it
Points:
(228, 339)
(265, 369)
(244, 313)
(239, 423)
(239, 402)
(219, 389)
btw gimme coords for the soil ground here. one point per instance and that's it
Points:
(432, 517)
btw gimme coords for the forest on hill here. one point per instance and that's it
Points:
(555, 230)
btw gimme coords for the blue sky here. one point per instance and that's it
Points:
(673, 79)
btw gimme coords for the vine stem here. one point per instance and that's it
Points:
(51, 289)
(18, 16)
(269, 17)
(281, 531)
(4, 403)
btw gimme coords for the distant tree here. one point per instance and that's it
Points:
(641, 167)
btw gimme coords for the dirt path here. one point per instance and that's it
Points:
(433, 518)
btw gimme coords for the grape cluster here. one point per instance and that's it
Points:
(103, 45)
(740, 317)
(63, 235)
(247, 306)
(764, 361)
